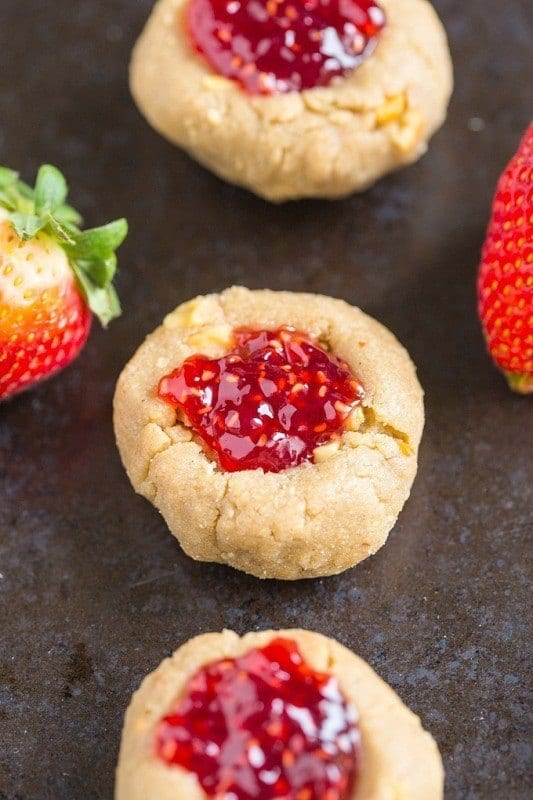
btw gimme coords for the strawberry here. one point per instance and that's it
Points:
(505, 282)
(53, 278)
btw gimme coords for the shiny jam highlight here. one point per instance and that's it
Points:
(268, 403)
(264, 726)
(272, 46)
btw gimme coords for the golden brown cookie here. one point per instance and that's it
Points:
(314, 519)
(393, 758)
(326, 141)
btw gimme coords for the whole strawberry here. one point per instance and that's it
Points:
(53, 277)
(505, 283)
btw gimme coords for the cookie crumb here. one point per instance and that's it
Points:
(476, 125)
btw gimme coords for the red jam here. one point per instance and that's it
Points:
(264, 726)
(271, 46)
(268, 403)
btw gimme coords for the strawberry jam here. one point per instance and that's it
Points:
(268, 403)
(271, 46)
(264, 726)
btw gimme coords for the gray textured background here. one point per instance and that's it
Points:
(93, 590)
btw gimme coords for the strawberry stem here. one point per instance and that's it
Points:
(522, 384)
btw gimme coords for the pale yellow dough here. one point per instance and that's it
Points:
(399, 760)
(312, 520)
(324, 142)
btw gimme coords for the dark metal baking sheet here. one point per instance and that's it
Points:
(93, 590)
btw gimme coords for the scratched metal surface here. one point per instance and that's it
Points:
(93, 590)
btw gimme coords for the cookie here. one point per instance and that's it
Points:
(276, 714)
(332, 491)
(379, 92)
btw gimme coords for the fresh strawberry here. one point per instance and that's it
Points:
(53, 277)
(505, 282)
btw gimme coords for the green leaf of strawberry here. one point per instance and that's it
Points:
(100, 242)
(104, 300)
(91, 253)
(7, 177)
(27, 225)
(50, 190)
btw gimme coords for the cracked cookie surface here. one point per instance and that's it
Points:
(312, 520)
(321, 142)
(393, 743)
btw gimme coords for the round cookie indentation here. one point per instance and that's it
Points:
(263, 726)
(271, 46)
(270, 402)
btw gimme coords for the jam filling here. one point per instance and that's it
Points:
(268, 403)
(271, 46)
(264, 726)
